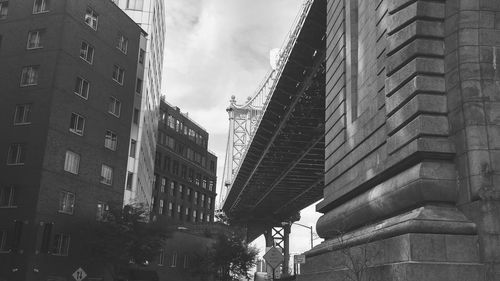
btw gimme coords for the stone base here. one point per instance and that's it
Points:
(407, 257)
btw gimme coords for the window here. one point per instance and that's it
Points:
(118, 74)
(77, 124)
(66, 202)
(110, 140)
(101, 210)
(72, 162)
(16, 154)
(47, 232)
(142, 56)
(34, 39)
(173, 261)
(130, 178)
(106, 175)
(138, 86)
(87, 52)
(82, 87)
(7, 197)
(136, 116)
(196, 197)
(194, 215)
(135, 4)
(209, 202)
(61, 245)
(91, 18)
(186, 261)
(122, 43)
(161, 257)
(170, 209)
(163, 184)
(160, 208)
(40, 6)
(23, 114)
(133, 148)
(29, 75)
(114, 106)
(4, 9)
(16, 235)
(3, 241)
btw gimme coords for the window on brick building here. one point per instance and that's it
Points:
(110, 140)
(60, 247)
(122, 43)
(118, 74)
(163, 184)
(77, 124)
(87, 52)
(34, 39)
(7, 197)
(4, 9)
(72, 162)
(41, 6)
(82, 87)
(66, 202)
(29, 75)
(16, 154)
(91, 18)
(173, 260)
(46, 234)
(114, 106)
(22, 115)
(160, 208)
(161, 257)
(3, 241)
(171, 209)
(106, 175)
(186, 261)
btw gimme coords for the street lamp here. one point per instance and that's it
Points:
(309, 227)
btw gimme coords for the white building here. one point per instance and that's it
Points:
(150, 15)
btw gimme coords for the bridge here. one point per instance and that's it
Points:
(398, 133)
(275, 156)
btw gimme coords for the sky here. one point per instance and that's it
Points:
(219, 48)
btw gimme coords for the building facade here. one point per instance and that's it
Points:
(68, 74)
(185, 171)
(413, 145)
(150, 15)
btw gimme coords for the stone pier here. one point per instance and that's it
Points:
(412, 171)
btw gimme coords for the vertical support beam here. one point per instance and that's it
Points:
(286, 249)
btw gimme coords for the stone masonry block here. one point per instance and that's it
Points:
(419, 28)
(420, 126)
(487, 19)
(416, 10)
(494, 136)
(474, 113)
(419, 84)
(421, 103)
(419, 47)
(468, 36)
(468, 19)
(432, 66)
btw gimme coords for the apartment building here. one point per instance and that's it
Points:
(69, 75)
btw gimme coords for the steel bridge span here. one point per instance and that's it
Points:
(275, 155)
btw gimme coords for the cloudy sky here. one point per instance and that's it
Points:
(219, 48)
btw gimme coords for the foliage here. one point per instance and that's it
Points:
(229, 258)
(124, 238)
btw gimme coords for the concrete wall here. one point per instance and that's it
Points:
(412, 106)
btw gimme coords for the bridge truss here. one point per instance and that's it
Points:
(275, 155)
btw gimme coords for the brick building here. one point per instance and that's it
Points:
(185, 171)
(68, 73)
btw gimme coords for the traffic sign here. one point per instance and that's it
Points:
(299, 259)
(273, 257)
(79, 274)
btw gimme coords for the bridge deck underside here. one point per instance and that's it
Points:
(283, 169)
